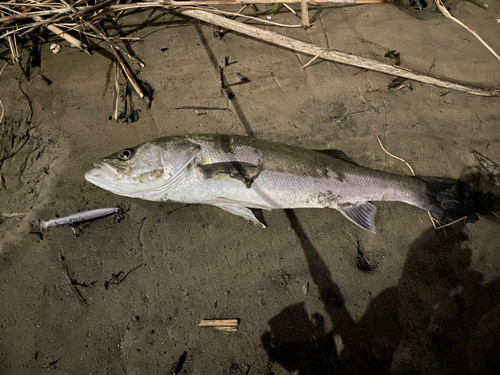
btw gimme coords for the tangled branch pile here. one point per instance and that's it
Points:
(80, 21)
(20, 17)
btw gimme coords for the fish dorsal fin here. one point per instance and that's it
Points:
(339, 155)
(241, 171)
(362, 214)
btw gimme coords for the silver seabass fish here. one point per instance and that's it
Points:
(237, 173)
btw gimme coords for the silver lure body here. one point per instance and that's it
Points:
(236, 173)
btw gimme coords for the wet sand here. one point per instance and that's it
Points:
(432, 304)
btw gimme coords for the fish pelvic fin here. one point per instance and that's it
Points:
(362, 214)
(242, 212)
(447, 199)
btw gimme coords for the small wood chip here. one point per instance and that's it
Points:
(219, 323)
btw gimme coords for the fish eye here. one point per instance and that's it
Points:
(126, 154)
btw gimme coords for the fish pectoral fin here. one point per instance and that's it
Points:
(179, 175)
(361, 214)
(240, 171)
(339, 155)
(243, 212)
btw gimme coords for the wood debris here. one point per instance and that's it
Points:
(226, 325)
(73, 20)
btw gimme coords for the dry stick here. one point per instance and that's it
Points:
(117, 91)
(447, 14)
(289, 8)
(14, 51)
(69, 38)
(337, 56)
(305, 14)
(127, 72)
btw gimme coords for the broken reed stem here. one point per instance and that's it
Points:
(14, 51)
(305, 14)
(69, 38)
(328, 54)
(447, 14)
(117, 90)
(127, 72)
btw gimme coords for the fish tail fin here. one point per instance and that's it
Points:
(448, 199)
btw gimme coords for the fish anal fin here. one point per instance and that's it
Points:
(361, 214)
(242, 212)
(338, 154)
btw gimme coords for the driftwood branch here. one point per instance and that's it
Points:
(341, 57)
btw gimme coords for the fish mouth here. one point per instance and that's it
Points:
(102, 175)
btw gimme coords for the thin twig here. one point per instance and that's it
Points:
(447, 14)
(394, 156)
(312, 60)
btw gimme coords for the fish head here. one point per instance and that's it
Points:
(146, 171)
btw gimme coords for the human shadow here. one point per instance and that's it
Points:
(439, 319)
(300, 343)
(449, 315)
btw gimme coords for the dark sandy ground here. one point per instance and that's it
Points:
(432, 305)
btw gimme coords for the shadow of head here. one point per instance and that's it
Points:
(443, 306)
(297, 341)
